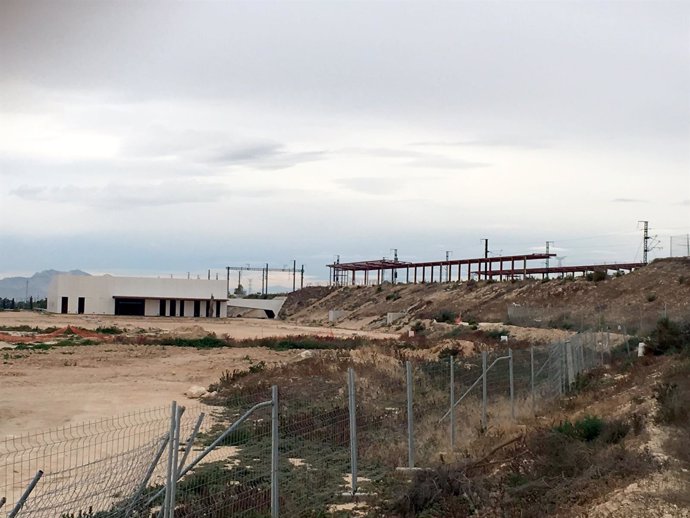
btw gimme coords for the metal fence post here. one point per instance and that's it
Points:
(275, 430)
(410, 416)
(561, 367)
(484, 389)
(22, 500)
(512, 385)
(175, 445)
(352, 403)
(167, 501)
(531, 378)
(452, 401)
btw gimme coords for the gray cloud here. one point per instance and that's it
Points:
(259, 156)
(629, 200)
(200, 95)
(371, 185)
(126, 195)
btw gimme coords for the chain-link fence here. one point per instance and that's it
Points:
(273, 451)
(599, 318)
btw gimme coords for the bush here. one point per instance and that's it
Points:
(597, 276)
(614, 431)
(672, 408)
(669, 337)
(110, 330)
(446, 315)
(651, 297)
(586, 429)
(418, 327)
(496, 334)
(207, 342)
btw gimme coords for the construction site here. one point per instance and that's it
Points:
(360, 370)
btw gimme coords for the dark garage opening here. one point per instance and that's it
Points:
(130, 307)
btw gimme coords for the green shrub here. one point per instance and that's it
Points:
(651, 297)
(207, 342)
(586, 429)
(669, 337)
(446, 315)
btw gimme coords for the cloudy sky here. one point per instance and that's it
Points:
(165, 137)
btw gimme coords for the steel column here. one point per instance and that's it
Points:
(410, 416)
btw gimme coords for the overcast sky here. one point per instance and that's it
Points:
(166, 137)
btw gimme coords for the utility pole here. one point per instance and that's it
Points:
(294, 274)
(227, 270)
(486, 256)
(645, 240)
(548, 243)
(301, 280)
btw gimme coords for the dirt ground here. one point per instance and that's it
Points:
(44, 389)
(234, 327)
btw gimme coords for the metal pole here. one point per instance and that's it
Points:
(484, 389)
(352, 403)
(169, 471)
(561, 372)
(175, 445)
(275, 500)
(190, 441)
(211, 447)
(512, 386)
(294, 275)
(531, 376)
(149, 473)
(452, 402)
(410, 416)
(22, 500)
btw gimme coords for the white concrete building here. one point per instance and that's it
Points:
(108, 295)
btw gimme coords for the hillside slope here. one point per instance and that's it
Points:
(635, 300)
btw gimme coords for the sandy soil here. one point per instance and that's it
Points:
(68, 385)
(234, 327)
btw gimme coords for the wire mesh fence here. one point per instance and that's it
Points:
(273, 452)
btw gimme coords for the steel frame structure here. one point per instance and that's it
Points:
(505, 267)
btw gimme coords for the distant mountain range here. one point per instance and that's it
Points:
(37, 286)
